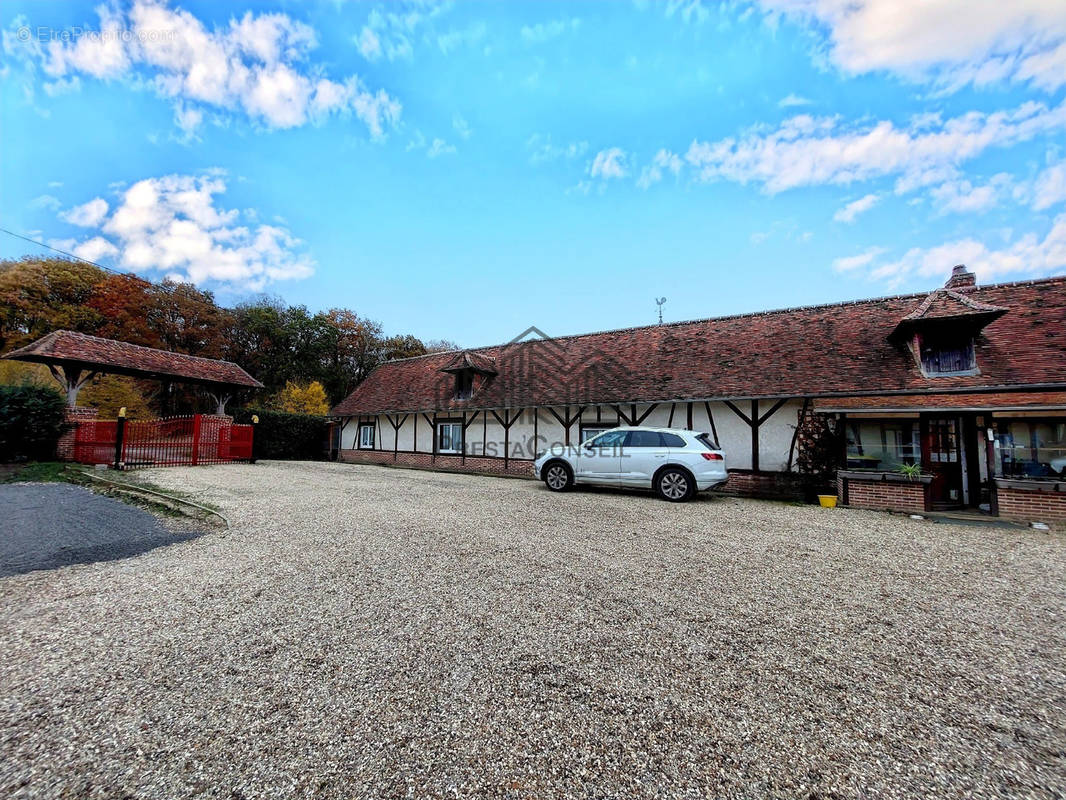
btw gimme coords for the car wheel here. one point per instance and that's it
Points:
(674, 485)
(558, 477)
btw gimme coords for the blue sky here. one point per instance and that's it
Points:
(464, 170)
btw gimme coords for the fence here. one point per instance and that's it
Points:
(172, 441)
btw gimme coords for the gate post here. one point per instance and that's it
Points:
(120, 435)
(195, 439)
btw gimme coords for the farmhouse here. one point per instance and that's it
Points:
(968, 382)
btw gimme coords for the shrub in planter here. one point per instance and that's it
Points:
(32, 419)
(280, 435)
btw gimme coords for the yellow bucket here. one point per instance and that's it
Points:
(828, 500)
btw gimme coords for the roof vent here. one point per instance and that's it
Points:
(961, 278)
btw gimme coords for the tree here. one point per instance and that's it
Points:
(128, 310)
(396, 347)
(441, 346)
(40, 295)
(354, 350)
(108, 393)
(309, 398)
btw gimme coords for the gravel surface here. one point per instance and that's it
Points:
(49, 525)
(367, 632)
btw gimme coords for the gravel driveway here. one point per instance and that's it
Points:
(367, 632)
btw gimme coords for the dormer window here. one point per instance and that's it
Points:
(942, 330)
(464, 384)
(947, 355)
(463, 366)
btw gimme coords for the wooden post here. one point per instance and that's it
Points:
(195, 439)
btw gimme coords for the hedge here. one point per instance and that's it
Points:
(280, 435)
(32, 419)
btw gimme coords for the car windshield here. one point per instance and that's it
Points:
(707, 441)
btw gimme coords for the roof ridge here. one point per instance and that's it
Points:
(744, 315)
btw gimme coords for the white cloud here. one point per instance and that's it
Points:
(962, 196)
(653, 173)
(1028, 256)
(793, 100)
(46, 201)
(806, 151)
(172, 225)
(543, 150)
(849, 212)
(1050, 187)
(257, 66)
(439, 147)
(609, 163)
(950, 42)
(88, 215)
(392, 29)
(457, 38)
(369, 44)
(544, 31)
(848, 263)
(461, 126)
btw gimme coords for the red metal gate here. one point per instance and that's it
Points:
(172, 441)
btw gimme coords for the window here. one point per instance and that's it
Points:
(450, 437)
(464, 384)
(588, 431)
(1033, 448)
(644, 439)
(672, 440)
(883, 444)
(609, 439)
(947, 355)
(366, 436)
(706, 440)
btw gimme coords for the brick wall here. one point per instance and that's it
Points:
(776, 485)
(74, 417)
(1028, 505)
(883, 495)
(515, 466)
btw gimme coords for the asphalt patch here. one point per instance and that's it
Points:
(52, 525)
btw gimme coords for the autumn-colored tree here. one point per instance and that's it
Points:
(109, 393)
(396, 347)
(40, 295)
(354, 351)
(308, 398)
(127, 308)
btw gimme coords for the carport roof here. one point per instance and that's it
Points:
(81, 351)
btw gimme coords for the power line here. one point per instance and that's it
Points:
(214, 306)
(63, 252)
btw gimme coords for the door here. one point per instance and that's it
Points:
(942, 458)
(598, 460)
(642, 455)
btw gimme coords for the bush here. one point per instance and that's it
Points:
(31, 421)
(279, 435)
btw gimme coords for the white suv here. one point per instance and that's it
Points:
(675, 463)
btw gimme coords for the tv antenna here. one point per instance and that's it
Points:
(659, 302)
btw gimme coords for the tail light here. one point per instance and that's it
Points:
(712, 457)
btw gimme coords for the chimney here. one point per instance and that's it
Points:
(961, 279)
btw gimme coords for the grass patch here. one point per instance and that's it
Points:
(36, 472)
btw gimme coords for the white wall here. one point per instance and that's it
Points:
(734, 434)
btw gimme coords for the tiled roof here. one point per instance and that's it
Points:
(466, 359)
(839, 349)
(945, 304)
(108, 355)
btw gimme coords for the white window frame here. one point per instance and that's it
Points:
(455, 451)
(361, 441)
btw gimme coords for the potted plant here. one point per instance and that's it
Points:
(910, 471)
